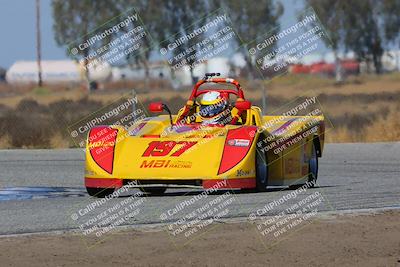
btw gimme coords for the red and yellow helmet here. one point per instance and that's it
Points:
(212, 104)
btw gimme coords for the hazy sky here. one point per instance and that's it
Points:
(17, 20)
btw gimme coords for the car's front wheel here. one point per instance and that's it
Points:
(261, 171)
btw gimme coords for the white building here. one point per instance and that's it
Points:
(55, 71)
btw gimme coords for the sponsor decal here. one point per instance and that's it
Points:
(178, 164)
(232, 155)
(240, 173)
(239, 142)
(165, 148)
(101, 144)
(281, 130)
(137, 129)
(185, 128)
(101, 147)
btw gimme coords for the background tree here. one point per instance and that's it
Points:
(363, 26)
(150, 14)
(363, 33)
(75, 20)
(180, 17)
(252, 20)
(333, 22)
(391, 18)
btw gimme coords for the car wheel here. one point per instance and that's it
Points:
(261, 171)
(99, 192)
(155, 191)
(313, 167)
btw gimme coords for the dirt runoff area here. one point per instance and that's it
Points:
(362, 239)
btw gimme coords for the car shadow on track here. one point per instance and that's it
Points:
(193, 192)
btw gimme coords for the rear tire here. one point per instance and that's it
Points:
(313, 167)
(155, 191)
(99, 192)
(261, 171)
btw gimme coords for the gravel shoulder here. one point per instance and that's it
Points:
(348, 239)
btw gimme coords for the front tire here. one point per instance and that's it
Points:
(99, 192)
(261, 171)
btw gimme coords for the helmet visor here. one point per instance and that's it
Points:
(209, 111)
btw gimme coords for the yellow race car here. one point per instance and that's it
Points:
(218, 140)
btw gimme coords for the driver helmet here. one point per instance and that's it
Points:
(213, 105)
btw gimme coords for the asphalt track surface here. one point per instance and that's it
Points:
(42, 190)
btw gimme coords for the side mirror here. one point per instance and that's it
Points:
(160, 107)
(243, 105)
(156, 107)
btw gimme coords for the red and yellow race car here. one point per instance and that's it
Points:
(218, 140)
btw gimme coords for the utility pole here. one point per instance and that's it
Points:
(38, 44)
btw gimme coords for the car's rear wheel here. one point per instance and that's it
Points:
(261, 171)
(99, 192)
(155, 191)
(313, 167)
